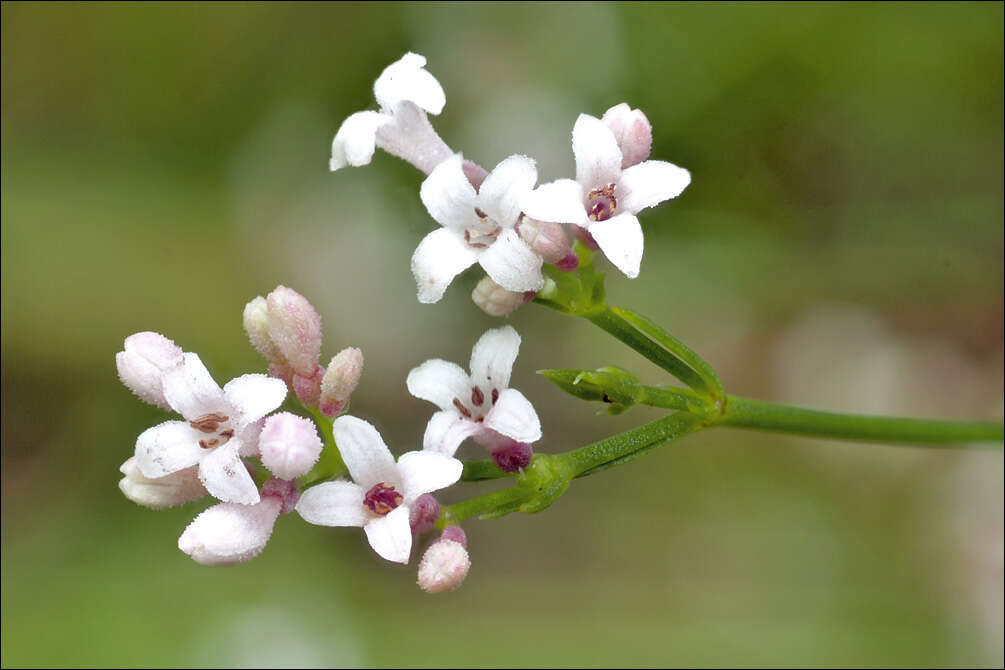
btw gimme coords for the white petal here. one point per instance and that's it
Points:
(504, 188)
(364, 452)
(168, 447)
(337, 503)
(425, 472)
(598, 158)
(620, 238)
(175, 489)
(440, 256)
(446, 431)
(191, 391)
(492, 358)
(356, 139)
(560, 201)
(226, 534)
(650, 183)
(391, 535)
(253, 396)
(225, 476)
(406, 79)
(514, 417)
(512, 264)
(141, 377)
(449, 197)
(439, 382)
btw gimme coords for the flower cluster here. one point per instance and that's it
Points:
(499, 219)
(260, 463)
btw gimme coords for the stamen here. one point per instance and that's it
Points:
(382, 498)
(477, 397)
(604, 204)
(208, 423)
(461, 408)
(495, 396)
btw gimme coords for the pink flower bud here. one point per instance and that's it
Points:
(444, 566)
(455, 534)
(141, 366)
(632, 130)
(569, 263)
(308, 389)
(340, 380)
(547, 239)
(513, 456)
(282, 490)
(494, 300)
(175, 489)
(295, 329)
(423, 514)
(289, 444)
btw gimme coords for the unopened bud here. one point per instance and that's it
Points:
(423, 514)
(633, 132)
(513, 456)
(547, 239)
(295, 329)
(289, 444)
(308, 389)
(444, 566)
(494, 300)
(256, 325)
(142, 365)
(175, 489)
(340, 380)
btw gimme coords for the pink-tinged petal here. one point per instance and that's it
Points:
(439, 382)
(512, 264)
(141, 377)
(440, 256)
(191, 391)
(168, 447)
(650, 183)
(505, 187)
(154, 347)
(226, 534)
(338, 503)
(406, 79)
(225, 476)
(425, 472)
(560, 201)
(364, 452)
(172, 490)
(290, 445)
(632, 130)
(514, 416)
(620, 238)
(248, 438)
(598, 158)
(356, 139)
(391, 535)
(446, 431)
(449, 196)
(492, 358)
(253, 396)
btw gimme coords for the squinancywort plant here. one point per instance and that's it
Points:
(338, 472)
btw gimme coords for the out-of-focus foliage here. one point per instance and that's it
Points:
(841, 244)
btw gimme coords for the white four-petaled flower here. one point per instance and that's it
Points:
(405, 92)
(478, 226)
(480, 405)
(381, 492)
(604, 198)
(221, 426)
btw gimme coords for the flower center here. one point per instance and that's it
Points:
(479, 239)
(216, 428)
(474, 410)
(602, 203)
(382, 498)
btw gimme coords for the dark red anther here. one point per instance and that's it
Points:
(382, 498)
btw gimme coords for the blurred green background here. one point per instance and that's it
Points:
(841, 246)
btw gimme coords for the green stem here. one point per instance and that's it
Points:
(761, 415)
(621, 328)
